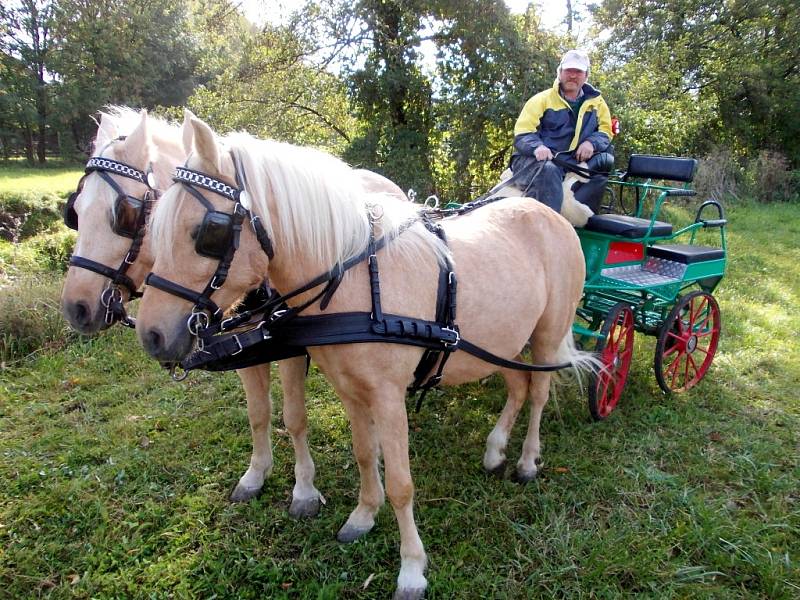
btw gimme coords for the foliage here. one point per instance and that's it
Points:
(269, 88)
(737, 60)
(768, 177)
(30, 318)
(115, 480)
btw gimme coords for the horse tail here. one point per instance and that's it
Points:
(580, 361)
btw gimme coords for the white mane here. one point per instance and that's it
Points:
(320, 202)
(125, 119)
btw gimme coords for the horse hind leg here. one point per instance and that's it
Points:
(530, 460)
(517, 384)
(255, 381)
(544, 350)
(305, 496)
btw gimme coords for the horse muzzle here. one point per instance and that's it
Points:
(84, 318)
(167, 344)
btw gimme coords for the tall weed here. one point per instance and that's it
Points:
(30, 318)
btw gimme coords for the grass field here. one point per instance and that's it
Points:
(114, 480)
(58, 178)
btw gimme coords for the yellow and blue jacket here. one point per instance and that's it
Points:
(548, 119)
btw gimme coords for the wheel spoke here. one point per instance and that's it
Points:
(694, 366)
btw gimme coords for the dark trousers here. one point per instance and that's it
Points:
(543, 181)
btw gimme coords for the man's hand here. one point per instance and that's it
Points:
(543, 153)
(584, 151)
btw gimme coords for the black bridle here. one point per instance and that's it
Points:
(217, 238)
(130, 215)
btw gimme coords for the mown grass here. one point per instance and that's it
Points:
(115, 480)
(58, 177)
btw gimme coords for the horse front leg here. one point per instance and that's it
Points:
(255, 381)
(305, 497)
(517, 383)
(392, 427)
(366, 451)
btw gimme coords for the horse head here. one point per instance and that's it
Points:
(203, 243)
(109, 210)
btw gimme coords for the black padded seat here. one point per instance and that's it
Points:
(673, 168)
(627, 227)
(684, 253)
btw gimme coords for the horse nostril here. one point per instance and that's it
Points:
(81, 314)
(154, 341)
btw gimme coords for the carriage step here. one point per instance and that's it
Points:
(685, 253)
(654, 271)
(627, 227)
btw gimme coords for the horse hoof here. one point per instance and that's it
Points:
(409, 594)
(243, 494)
(524, 477)
(349, 533)
(305, 508)
(498, 471)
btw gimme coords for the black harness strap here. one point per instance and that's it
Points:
(111, 297)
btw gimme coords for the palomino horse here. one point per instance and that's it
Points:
(520, 274)
(573, 211)
(157, 144)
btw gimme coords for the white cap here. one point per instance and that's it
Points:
(575, 59)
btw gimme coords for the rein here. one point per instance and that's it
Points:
(111, 297)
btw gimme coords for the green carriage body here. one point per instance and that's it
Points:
(637, 265)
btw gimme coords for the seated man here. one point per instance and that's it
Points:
(571, 116)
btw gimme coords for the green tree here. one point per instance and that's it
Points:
(136, 52)
(739, 60)
(269, 85)
(25, 43)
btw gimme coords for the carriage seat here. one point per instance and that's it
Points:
(685, 254)
(627, 227)
(672, 168)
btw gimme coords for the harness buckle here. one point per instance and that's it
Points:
(235, 338)
(265, 334)
(214, 285)
(129, 260)
(455, 333)
(196, 321)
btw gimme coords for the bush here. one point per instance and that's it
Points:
(30, 318)
(26, 214)
(718, 176)
(47, 252)
(769, 179)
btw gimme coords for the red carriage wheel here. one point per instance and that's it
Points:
(615, 350)
(687, 342)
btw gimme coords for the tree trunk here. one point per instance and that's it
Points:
(28, 143)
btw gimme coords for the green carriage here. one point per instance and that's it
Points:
(644, 275)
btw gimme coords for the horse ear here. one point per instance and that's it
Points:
(106, 131)
(205, 143)
(187, 132)
(137, 144)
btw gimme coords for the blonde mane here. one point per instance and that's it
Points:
(321, 206)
